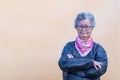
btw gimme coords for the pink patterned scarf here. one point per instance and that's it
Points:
(83, 47)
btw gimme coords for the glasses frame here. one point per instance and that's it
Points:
(85, 27)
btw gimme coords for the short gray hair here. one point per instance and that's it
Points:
(84, 15)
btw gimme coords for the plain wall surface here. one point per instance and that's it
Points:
(33, 33)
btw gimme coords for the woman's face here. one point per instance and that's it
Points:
(84, 29)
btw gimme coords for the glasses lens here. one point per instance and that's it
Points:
(85, 27)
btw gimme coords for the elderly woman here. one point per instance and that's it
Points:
(83, 59)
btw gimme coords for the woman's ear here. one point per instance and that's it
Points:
(76, 29)
(92, 28)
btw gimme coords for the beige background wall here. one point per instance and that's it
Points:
(33, 33)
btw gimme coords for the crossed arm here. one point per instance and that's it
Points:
(84, 67)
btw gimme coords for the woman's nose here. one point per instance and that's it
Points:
(83, 28)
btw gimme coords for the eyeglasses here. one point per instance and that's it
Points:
(85, 27)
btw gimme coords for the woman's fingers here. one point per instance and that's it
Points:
(70, 56)
(97, 65)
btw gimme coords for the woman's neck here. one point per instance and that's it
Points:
(84, 38)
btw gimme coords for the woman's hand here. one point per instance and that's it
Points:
(97, 65)
(70, 56)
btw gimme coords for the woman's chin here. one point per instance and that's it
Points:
(85, 37)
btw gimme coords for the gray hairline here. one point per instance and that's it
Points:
(82, 16)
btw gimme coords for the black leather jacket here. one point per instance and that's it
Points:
(82, 68)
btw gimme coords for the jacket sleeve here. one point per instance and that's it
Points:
(73, 64)
(101, 56)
